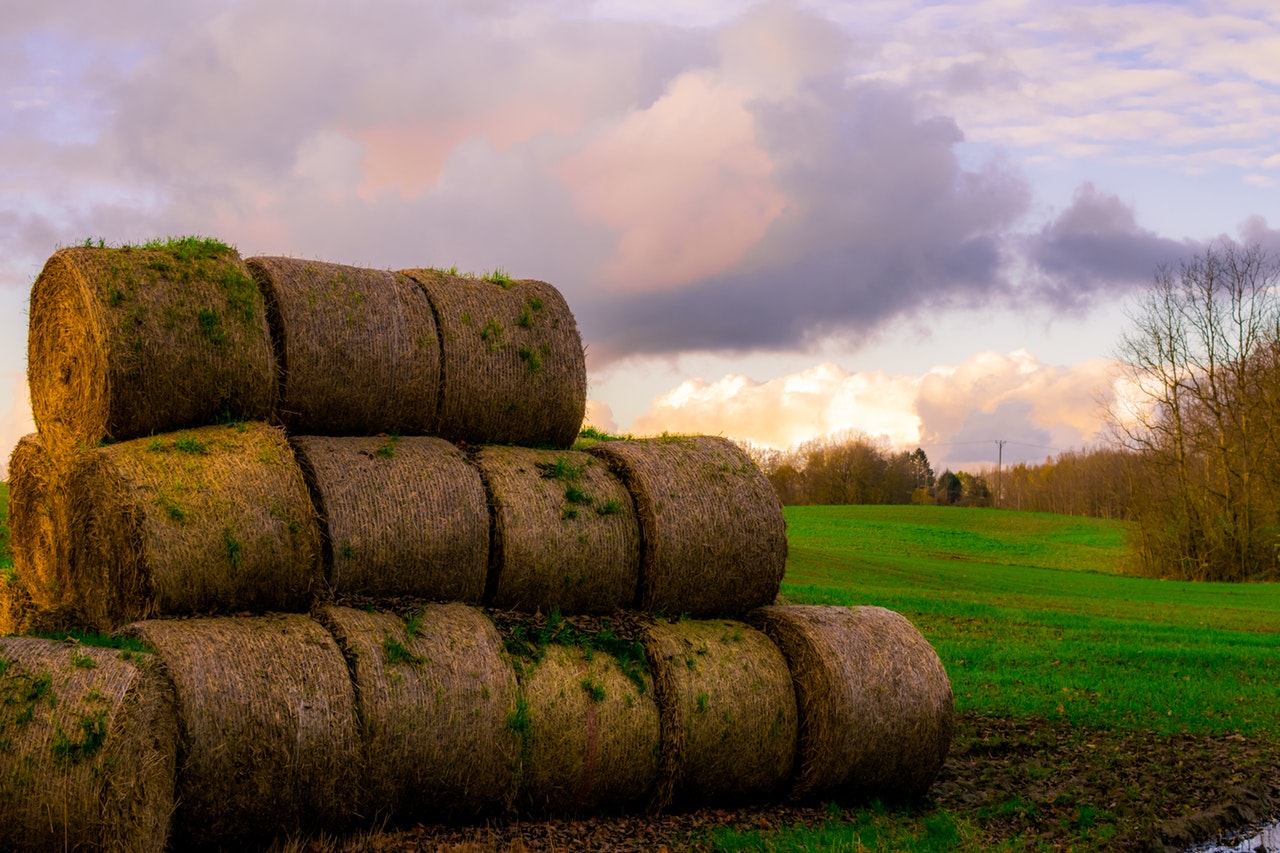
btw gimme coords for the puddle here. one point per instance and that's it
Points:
(1267, 839)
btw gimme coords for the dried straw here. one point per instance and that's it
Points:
(565, 535)
(88, 745)
(214, 519)
(435, 695)
(728, 712)
(511, 361)
(875, 702)
(39, 522)
(15, 604)
(268, 727)
(714, 537)
(133, 341)
(404, 516)
(358, 348)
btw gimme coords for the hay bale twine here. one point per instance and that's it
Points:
(39, 522)
(875, 703)
(589, 734)
(715, 541)
(512, 366)
(210, 519)
(139, 340)
(435, 695)
(267, 717)
(728, 712)
(358, 348)
(403, 515)
(565, 532)
(88, 746)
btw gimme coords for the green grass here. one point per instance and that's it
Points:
(6, 556)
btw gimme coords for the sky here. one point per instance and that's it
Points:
(922, 221)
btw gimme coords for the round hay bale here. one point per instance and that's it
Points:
(211, 519)
(715, 541)
(267, 717)
(875, 703)
(511, 361)
(88, 746)
(435, 695)
(358, 348)
(15, 604)
(589, 733)
(39, 522)
(565, 532)
(728, 712)
(404, 515)
(133, 341)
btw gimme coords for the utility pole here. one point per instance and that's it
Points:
(999, 471)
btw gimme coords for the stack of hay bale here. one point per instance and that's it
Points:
(310, 501)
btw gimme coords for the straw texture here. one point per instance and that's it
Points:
(133, 341)
(39, 523)
(404, 516)
(511, 359)
(565, 532)
(88, 746)
(875, 703)
(358, 348)
(714, 536)
(268, 725)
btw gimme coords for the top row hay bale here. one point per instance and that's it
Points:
(137, 340)
(511, 361)
(358, 348)
(714, 537)
(88, 748)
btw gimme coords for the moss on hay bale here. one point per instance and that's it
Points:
(435, 694)
(39, 522)
(875, 703)
(358, 348)
(88, 745)
(267, 715)
(138, 340)
(404, 515)
(714, 537)
(511, 360)
(589, 733)
(565, 532)
(728, 712)
(210, 519)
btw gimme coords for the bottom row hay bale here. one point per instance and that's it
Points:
(590, 738)
(875, 704)
(268, 727)
(436, 694)
(88, 741)
(728, 712)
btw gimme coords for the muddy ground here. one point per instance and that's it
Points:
(1047, 785)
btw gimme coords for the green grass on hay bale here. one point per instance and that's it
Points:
(267, 715)
(875, 703)
(714, 535)
(358, 348)
(512, 366)
(88, 748)
(728, 712)
(565, 532)
(216, 519)
(435, 694)
(404, 515)
(138, 340)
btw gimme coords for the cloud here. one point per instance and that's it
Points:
(600, 416)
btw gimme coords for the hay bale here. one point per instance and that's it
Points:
(728, 712)
(589, 733)
(211, 519)
(15, 604)
(358, 348)
(403, 516)
(88, 746)
(267, 717)
(134, 341)
(435, 695)
(39, 522)
(714, 537)
(511, 361)
(565, 532)
(875, 702)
